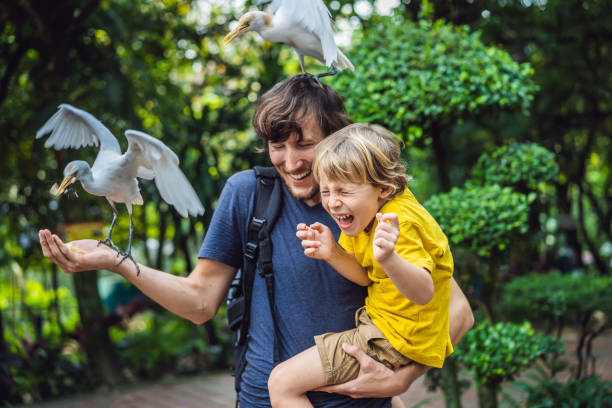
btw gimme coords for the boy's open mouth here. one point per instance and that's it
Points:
(344, 221)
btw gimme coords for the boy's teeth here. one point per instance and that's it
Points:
(342, 217)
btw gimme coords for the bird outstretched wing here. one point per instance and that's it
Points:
(75, 128)
(154, 157)
(315, 17)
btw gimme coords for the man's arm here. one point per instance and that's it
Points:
(377, 381)
(196, 297)
(460, 314)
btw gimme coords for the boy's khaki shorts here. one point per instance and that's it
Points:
(340, 367)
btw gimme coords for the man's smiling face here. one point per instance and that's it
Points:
(293, 159)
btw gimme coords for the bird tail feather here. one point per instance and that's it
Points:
(342, 62)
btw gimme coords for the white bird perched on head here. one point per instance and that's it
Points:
(304, 24)
(113, 174)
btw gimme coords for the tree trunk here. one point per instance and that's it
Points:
(450, 384)
(567, 225)
(600, 264)
(440, 156)
(163, 223)
(56, 305)
(6, 381)
(102, 360)
(489, 291)
(487, 396)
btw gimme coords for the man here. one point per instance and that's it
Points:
(310, 298)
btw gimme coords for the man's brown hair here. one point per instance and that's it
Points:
(281, 109)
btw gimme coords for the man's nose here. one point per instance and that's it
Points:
(293, 160)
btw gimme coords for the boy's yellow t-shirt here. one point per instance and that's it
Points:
(418, 332)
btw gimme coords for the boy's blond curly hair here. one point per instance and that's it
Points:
(361, 153)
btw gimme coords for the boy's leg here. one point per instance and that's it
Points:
(396, 402)
(290, 380)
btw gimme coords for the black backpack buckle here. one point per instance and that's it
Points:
(256, 224)
(251, 251)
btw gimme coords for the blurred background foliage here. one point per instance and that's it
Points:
(505, 108)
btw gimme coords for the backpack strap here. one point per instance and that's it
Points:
(270, 207)
(257, 254)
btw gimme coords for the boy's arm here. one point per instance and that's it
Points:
(346, 265)
(377, 381)
(319, 243)
(414, 282)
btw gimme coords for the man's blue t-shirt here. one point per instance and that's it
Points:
(311, 298)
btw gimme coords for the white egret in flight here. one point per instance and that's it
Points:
(304, 24)
(113, 174)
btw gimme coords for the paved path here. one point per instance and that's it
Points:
(216, 390)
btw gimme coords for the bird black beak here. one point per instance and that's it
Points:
(68, 180)
(235, 33)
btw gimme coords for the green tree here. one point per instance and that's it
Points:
(482, 222)
(421, 79)
(486, 223)
(154, 66)
(567, 44)
(529, 169)
(495, 353)
(555, 300)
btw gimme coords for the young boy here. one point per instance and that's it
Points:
(392, 245)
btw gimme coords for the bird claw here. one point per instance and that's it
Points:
(126, 256)
(108, 242)
(306, 75)
(333, 72)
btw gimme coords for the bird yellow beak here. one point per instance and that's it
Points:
(68, 180)
(235, 33)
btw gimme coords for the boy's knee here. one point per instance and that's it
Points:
(274, 382)
(277, 383)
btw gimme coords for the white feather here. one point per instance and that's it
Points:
(314, 16)
(156, 158)
(113, 175)
(74, 128)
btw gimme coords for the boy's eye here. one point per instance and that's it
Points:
(325, 192)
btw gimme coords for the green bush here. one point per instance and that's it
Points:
(156, 343)
(495, 353)
(44, 361)
(590, 392)
(523, 166)
(484, 220)
(551, 296)
(410, 76)
(583, 299)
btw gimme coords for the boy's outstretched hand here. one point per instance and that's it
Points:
(385, 236)
(317, 240)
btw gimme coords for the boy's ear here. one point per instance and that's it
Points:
(385, 191)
